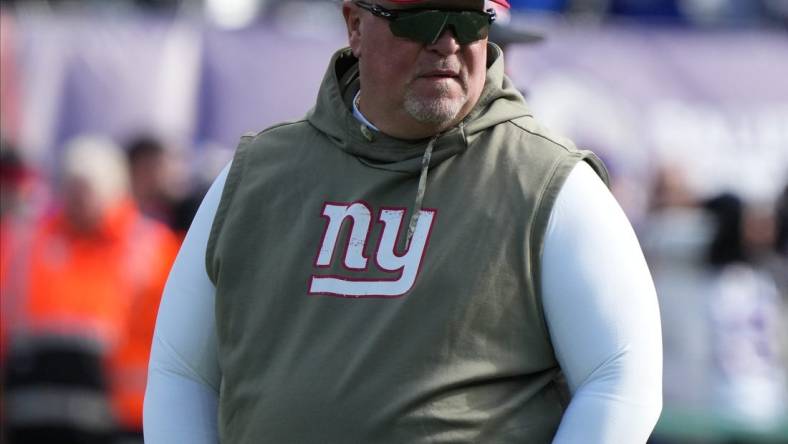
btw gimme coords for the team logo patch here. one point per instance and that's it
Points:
(404, 268)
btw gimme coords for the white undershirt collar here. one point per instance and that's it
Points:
(357, 113)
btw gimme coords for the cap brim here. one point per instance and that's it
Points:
(506, 34)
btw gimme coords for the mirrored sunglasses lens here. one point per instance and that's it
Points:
(478, 26)
(469, 27)
(423, 27)
(427, 26)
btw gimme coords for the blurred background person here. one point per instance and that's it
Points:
(83, 301)
(148, 162)
(781, 241)
(156, 178)
(18, 206)
(207, 163)
(744, 308)
(162, 185)
(675, 237)
(15, 178)
(780, 267)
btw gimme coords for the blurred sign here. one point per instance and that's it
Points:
(713, 103)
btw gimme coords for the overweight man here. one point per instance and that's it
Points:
(418, 260)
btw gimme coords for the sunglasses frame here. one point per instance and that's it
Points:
(392, 15)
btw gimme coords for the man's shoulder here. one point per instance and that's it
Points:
(279, 131)
(539, 147)
(280, 139)
(534, 132)
(529, 147)
(286, 145)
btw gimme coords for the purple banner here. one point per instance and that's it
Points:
(714, 103)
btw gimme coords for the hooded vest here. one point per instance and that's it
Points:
(335, 327)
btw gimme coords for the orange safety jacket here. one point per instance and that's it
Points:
(103, 286)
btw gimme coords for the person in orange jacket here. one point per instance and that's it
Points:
(83, 298)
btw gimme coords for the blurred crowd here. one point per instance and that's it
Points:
(85, 255)
(720, 264)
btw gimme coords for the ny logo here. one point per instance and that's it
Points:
(359, 214)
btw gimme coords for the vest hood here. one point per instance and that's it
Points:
(499, 102)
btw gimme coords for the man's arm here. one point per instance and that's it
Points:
(181, 398)
(602, 313)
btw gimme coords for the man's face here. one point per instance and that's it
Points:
(411, 89)
(83, 207)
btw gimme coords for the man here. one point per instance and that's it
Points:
(415, 261)
(80, 292)
(148, 172)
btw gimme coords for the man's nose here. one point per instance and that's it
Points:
(447, 42)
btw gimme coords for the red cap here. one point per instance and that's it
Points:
(503, 3)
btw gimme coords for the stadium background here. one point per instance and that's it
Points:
(684, 99)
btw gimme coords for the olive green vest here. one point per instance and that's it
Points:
(333, 328)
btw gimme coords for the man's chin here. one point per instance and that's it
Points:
(436, 88)
(439, 112)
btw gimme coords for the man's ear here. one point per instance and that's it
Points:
(352, 15)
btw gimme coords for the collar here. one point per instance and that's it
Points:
(358, 115)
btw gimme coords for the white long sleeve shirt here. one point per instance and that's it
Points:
(603, 320)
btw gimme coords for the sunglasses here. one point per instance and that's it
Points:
(427, 25)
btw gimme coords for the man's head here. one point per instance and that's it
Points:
(147, 158)
(420, 73)
(95, 179)
(16, 178)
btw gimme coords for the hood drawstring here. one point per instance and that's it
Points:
(425, 166)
